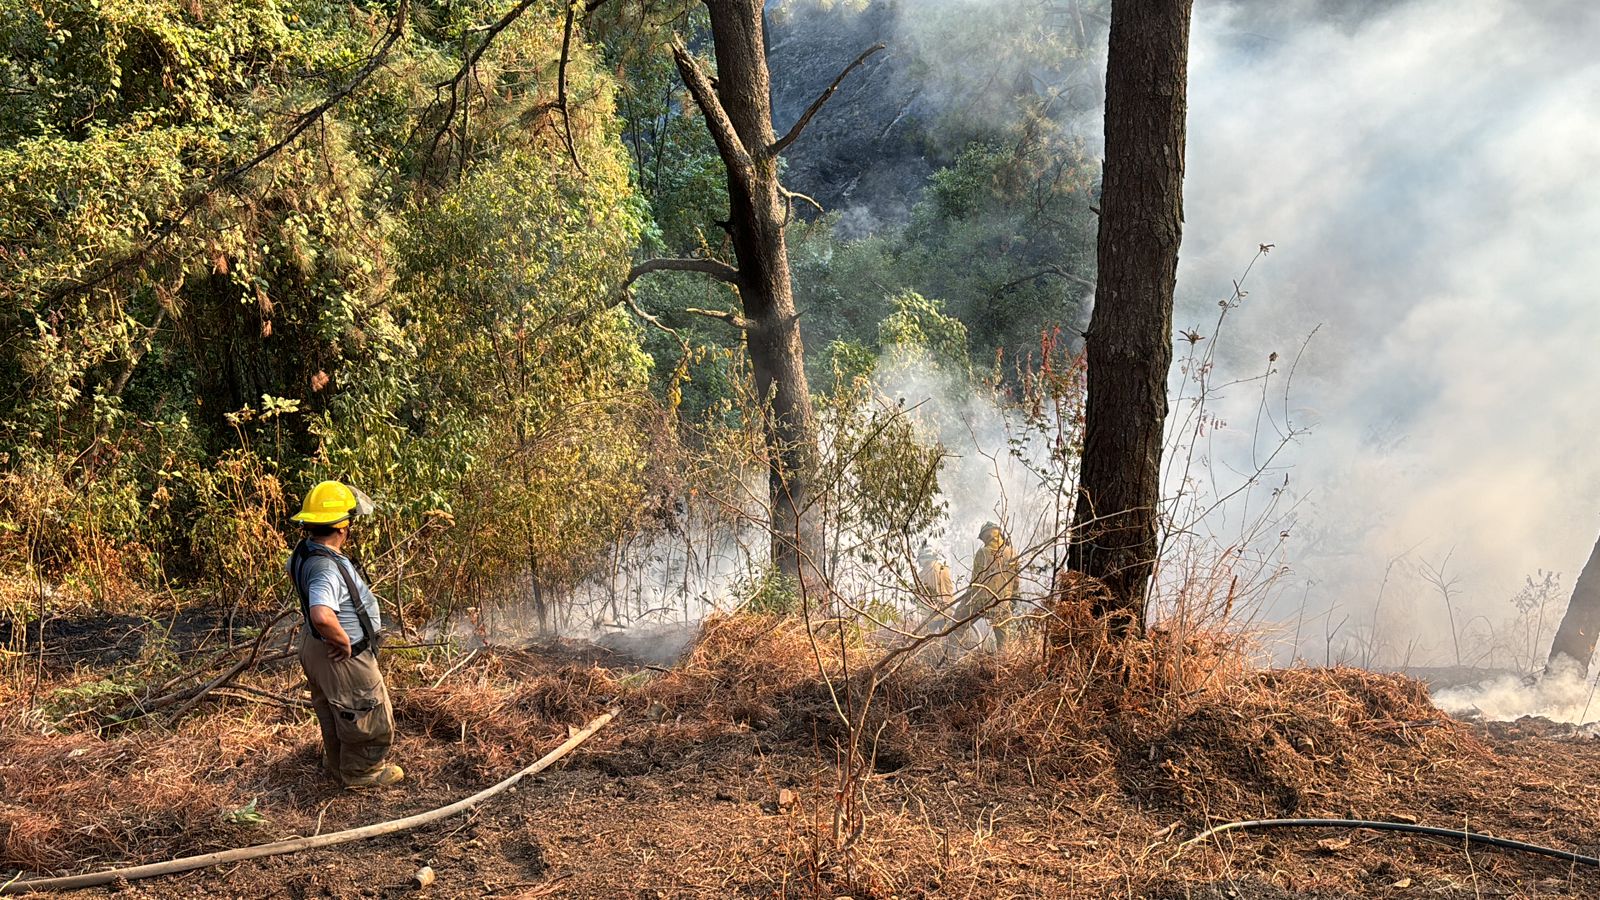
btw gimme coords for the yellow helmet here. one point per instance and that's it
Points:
(332, 503)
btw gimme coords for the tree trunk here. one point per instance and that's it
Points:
(1129, 343)
(1575, 639)
(756, 220)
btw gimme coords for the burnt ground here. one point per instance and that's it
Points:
(614, 825)
(719, 779)
(106, 639)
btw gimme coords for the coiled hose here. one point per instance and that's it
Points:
(1470, 837)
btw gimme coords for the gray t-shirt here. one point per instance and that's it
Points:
(326, 587)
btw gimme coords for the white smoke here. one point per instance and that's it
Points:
(648, 594)
(991, 473)
(1425, 170)
(1565, 697)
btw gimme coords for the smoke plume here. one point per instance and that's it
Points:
(1424, 169)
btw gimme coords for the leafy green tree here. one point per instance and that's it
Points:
(1004, 237)
(251, 244)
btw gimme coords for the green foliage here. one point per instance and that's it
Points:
(842, 287)
(239, 507)
(674, 159)
(709, 380)
(768, 592)
(418, 294)
(1004, 237)
(89, 699)
(421, 305)
(878, 480)
(247, 816)
(501, 348)
(919, 331)
(847, 363)
(131, 348)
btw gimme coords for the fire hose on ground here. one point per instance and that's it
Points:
(1470, 837)
(187, 863)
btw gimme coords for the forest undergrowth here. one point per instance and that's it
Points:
(1087, 767)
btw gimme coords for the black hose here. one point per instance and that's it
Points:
(1470, 837)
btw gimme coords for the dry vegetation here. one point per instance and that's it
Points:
(1080, 777)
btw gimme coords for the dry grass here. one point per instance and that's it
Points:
(75, 799)
(76, 793)
(492, 712)
(743, 666)
(1186, 721)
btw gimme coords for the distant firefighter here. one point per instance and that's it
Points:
(993, 591)
(935, 588)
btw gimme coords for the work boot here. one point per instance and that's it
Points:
(384, 776)
(329, 765)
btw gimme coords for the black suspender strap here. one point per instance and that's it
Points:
(297, 566)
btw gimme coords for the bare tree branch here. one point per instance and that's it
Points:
(796, 195)
(1047, 270)
(713, 267)
(733, 319)
(489, 35)
(305, 120)
(627, 297)
(467, 67)
(729, 146)
(789, 197)
(800, 124)
(561, 87)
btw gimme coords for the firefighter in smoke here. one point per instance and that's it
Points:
(993, 591)
(935, 591)
(934, 586)
(339, 644)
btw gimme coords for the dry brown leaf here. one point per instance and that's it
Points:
(1333, 845)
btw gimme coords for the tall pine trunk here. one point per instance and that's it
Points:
(1573, 646)
(737, 106)
(1129, 342)
(756, 224)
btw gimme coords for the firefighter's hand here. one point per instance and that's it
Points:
(327, 624)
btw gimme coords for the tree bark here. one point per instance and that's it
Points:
(1575, 638)
(738, 110)
(1129, 342)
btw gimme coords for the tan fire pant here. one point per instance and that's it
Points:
(1001, 615)
(353, 710)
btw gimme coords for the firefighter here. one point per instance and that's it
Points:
(993, 590)
(339, 644)
(935, 592)
(934, 586)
